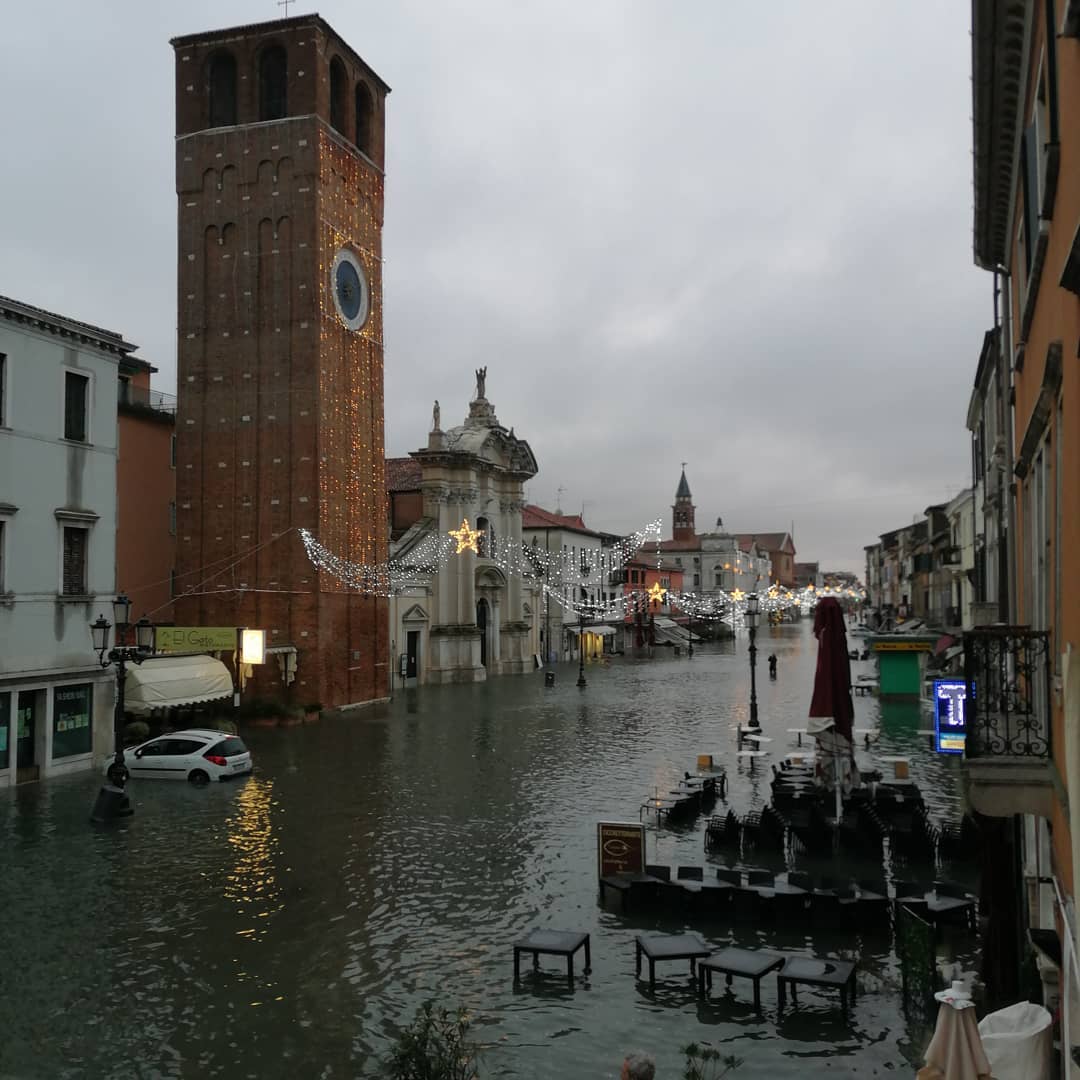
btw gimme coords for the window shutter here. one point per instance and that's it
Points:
(1029, 157)
(74, 562)
(75, 406)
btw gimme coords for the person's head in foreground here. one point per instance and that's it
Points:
(638, 1066)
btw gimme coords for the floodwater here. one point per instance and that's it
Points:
(290, 924)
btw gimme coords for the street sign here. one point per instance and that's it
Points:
(194, 638)
(950, 718)
(620, 847)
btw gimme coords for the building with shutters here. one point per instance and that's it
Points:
(58, 513)
(1022, 759)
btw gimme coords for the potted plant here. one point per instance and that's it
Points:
(704, 1062)
(291, 716)
(264, 713)
(434, 1047)
(135, 732)
(312, 711)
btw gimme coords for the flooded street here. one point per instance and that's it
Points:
(290, 924)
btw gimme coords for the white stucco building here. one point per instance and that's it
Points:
(58, 447)
(575, 563)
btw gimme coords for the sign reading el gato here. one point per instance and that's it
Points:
(195, 638)
(620, 847)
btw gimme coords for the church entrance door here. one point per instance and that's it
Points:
(482, 622)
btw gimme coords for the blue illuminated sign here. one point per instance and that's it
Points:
(950, 721)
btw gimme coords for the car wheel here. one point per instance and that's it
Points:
(198, 777)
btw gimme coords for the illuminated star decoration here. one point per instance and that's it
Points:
(737, 595)
(656, 592)
(466, 538)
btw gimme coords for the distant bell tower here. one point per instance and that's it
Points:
(683, 511)
(279, 180)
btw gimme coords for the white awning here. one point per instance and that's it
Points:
(603, 631)
(161, 682)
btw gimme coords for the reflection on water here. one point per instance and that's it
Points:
(251, 885)
(291, 923)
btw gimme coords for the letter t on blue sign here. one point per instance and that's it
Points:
(950, 722)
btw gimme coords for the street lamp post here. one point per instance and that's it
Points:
(112, 802)
(581, 636)
(690, 647)
(753, 616)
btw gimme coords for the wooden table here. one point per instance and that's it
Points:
(554, 943)
(746, 963)
(936, 907)
(832, 974)
(668, 947)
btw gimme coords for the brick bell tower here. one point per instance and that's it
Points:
(279, 179)
(682, 513)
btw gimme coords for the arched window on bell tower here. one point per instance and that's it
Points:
(273, 81)
(337, 95)
(365, 119)
(221, 80)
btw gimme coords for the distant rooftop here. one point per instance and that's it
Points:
(402, 474)
(536, 517)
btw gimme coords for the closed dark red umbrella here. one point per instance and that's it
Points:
(831, 710)
(832, 680)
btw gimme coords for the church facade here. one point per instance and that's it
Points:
(475, 614)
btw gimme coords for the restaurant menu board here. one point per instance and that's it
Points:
(950, 718)
(71, 721)
(620, 847)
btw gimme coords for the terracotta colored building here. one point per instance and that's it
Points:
(642, 574)
(404, 495)
(279, 181)
(781, 549)
(1023, 767)
(145, 492)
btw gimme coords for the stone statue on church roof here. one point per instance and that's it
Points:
(436, 417)
(481, 381)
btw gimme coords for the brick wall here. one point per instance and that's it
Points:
(280, 422)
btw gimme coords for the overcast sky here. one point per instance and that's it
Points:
(736, 235)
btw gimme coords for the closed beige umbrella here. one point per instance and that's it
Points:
(956, 1050)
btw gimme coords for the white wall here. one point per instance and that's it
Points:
(45, 638)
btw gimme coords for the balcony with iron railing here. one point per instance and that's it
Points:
(135, 399)
(1008, 748)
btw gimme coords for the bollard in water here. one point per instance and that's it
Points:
(112, 803)
(549, 678)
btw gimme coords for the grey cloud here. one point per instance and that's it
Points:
(737, 236)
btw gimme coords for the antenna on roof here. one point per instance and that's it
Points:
(558, 500)
(284, 4)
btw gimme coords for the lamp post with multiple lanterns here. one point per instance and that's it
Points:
(753, 618)
(112, 802)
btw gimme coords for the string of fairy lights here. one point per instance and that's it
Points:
(564, 578)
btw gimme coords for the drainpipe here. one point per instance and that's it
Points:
(1011, 613)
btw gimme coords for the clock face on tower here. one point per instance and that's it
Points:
(350, 288)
